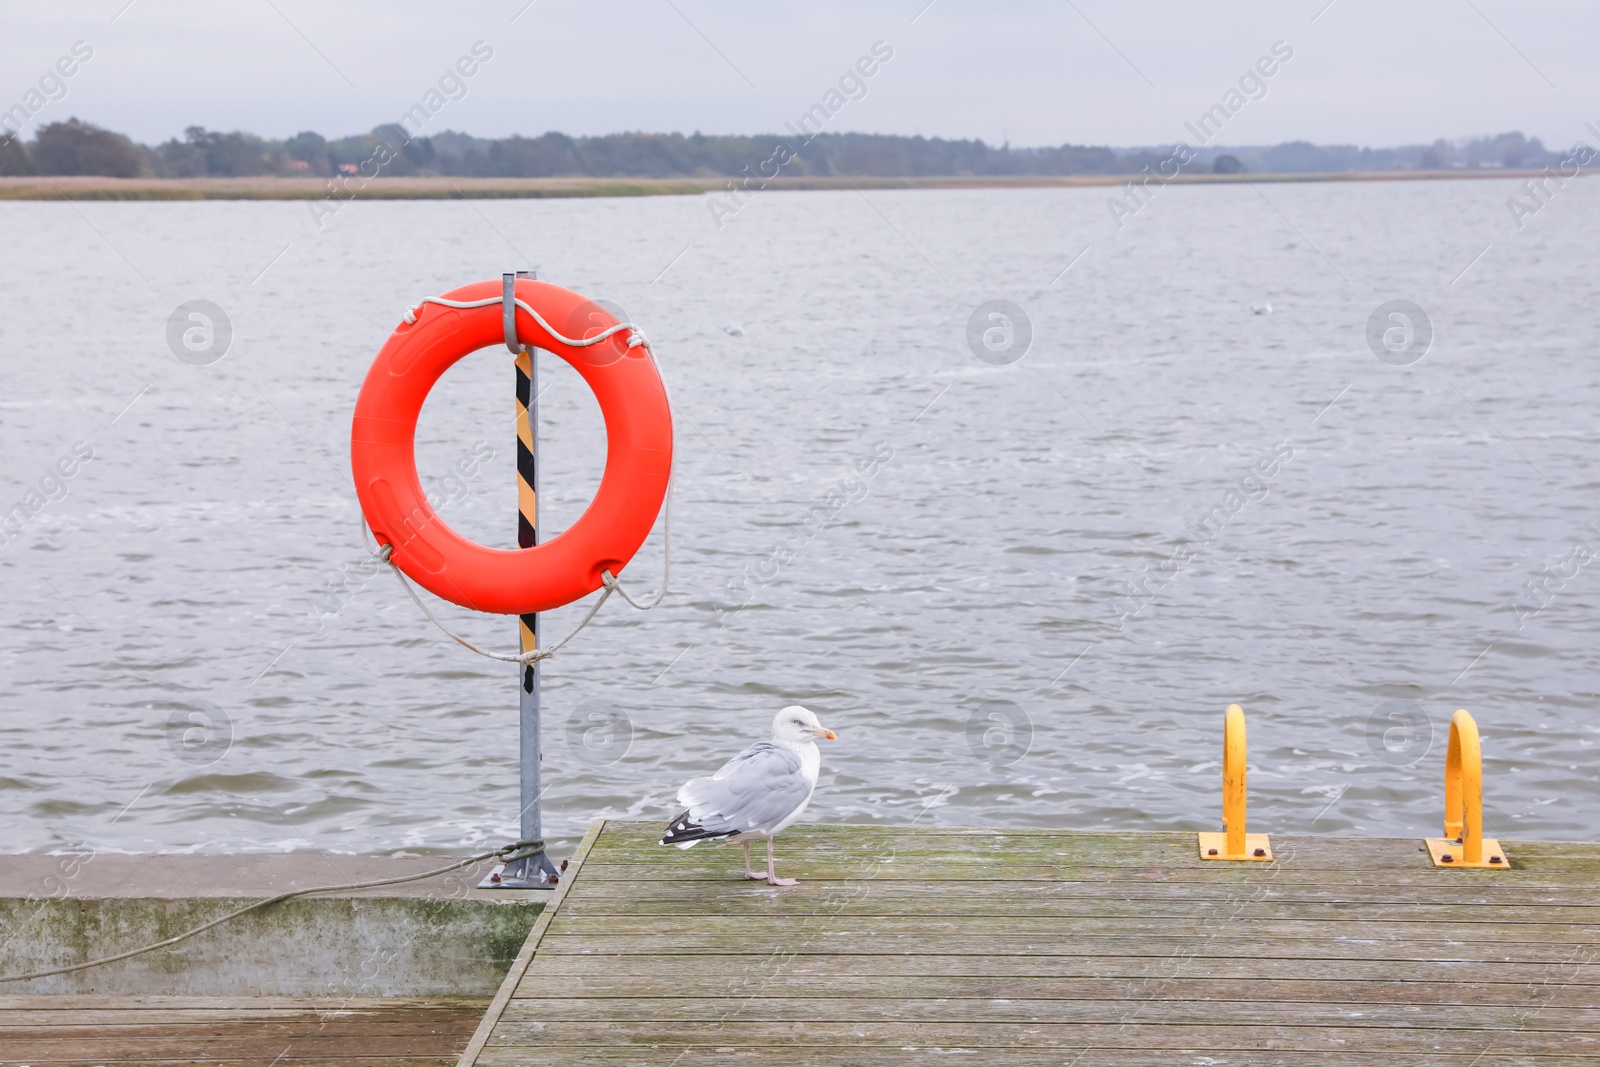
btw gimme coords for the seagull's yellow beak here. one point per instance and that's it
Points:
(823, 731)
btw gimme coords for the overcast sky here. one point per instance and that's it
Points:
(1084, 72)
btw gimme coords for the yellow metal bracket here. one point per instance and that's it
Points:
(1233, 843)
(1463, 843)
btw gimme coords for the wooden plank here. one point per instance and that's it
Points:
(808, 864)
(402, 1015)
(132, 1026)
(525, 955)
(694, 971)
(1062, 898)
(715, 866)
(247, 1005)
(725, 1055)
(639, 843)
(796, 1005)
(784, 1038)
(11, 1018)
(1095, 944)
(231, 1041)
(642, 832)
(783, 932)
(287, 1057)
(1419, 991)
(324, 1032)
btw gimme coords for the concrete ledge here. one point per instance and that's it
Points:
(440, 937)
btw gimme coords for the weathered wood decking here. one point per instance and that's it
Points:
(91, 1031)
(909, 945)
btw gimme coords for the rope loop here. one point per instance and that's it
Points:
(612, 584)
(521, 850)
(608, 581)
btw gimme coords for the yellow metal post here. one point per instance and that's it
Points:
(1233, 843)
(1233, 772)
(1463, 843)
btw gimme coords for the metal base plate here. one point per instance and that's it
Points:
(1257, 849)
(522, 874)
(1449, 853)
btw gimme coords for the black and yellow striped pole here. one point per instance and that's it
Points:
(535, 869)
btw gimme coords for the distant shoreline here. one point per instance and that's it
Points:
(271, 188)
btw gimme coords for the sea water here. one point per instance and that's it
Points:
(1017, 492)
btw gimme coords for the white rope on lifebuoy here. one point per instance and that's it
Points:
(607, 579)
(636, 336)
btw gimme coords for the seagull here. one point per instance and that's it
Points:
(760, 791)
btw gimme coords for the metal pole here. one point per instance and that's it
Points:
(536, 870)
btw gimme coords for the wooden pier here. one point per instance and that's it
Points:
(905, 945)
(96, 1031)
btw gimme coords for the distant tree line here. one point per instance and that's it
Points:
(74, 147)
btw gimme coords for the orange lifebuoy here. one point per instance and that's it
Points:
(638, 421)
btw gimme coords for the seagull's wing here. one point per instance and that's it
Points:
(753, 792)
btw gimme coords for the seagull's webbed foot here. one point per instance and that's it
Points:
(772, 873)
(754, 876)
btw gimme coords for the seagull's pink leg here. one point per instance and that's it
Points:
(772, 875)
(748, 873)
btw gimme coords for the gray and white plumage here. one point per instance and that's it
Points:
(757, 793)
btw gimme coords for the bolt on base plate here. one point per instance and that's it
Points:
(1448, 852)
(529, 872)
(1215, 847)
